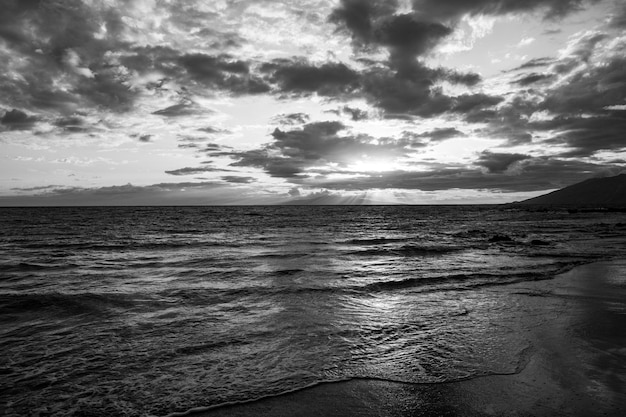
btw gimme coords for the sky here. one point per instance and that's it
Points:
(162, 102)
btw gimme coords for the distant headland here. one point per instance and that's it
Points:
(609, 192)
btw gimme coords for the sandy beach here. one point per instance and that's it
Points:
(575, 364)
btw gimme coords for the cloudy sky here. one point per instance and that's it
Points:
(316, 101)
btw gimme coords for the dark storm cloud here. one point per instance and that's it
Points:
(108, 88)
(513, 135)
(532, 174)
(401, 85)
(17, 120)
(588, 135)
(464, 78)
(354, 113)
(580, 115)
(212, 68)
(214, 130)
(299, 76)
(618, 18)
(433, 180)
(77, 49)
(416, 94)
(579, 110)
(156, 194)
(590, 91)
(441, 134)
(69, 121)
(214, 147)
(275, 165)
(223, 72)
(499, 162)
(40, 188)
(360, 16)
(408, 37)
(320, 140)
(508, 122)
(55, 26)
(35, 91)
(535, 63)
(410, 91)
(86, 46)
(145, 138)
(413, 91)
(209, 149)
(234, 179)
(191, 139)
(404, 85)
(375, 24)
(466, 103)
(293, 151)
(532, 79)
(60, 39)
(181, 109)
(72, 124)
(579, 107)
(556, 172)
(397, 95)
(195, 170)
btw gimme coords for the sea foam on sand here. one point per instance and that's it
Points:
(576, 365)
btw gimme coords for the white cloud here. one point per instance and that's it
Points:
(73, 60)
(471, 29)
(525, 42)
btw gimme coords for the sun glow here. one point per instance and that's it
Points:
(374, 165)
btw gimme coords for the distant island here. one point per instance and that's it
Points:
(594, 192)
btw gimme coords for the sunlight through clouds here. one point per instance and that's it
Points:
(281, 94)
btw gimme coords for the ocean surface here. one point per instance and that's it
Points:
(151, 311)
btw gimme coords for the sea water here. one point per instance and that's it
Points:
(153, 310)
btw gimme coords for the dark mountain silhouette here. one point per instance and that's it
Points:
(594, 192)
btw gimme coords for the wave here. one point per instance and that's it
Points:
(521, 362)
(141, 245)
(411, 250)
(282, 255)
(458, 282)
(375, 241)
(97, 303)
(468, 281)
(82, 303)
(197, 349)
(462, 281)
(283, 272)
(29, 267)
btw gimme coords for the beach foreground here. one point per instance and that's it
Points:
(575, 364)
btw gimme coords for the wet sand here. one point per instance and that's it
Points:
(575, 325)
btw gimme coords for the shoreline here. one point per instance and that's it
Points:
(576, 367)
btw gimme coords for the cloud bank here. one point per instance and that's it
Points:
(364, 94)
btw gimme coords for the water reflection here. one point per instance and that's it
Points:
(332, 331)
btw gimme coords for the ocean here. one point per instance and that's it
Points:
(154, 311)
